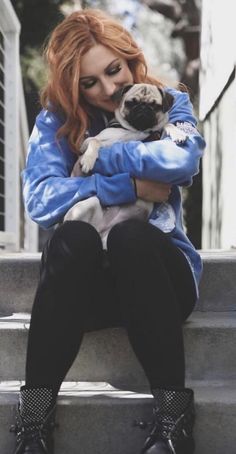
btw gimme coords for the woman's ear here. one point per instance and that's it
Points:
(167, 101)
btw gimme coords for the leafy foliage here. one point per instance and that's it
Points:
(37, 18)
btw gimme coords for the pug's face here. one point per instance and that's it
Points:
(143, 106)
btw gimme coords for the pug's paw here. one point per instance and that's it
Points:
(89, 157)
(176, 134)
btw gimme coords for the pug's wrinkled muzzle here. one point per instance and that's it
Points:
(142, 117)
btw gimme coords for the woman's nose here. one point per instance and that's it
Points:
(109, 87)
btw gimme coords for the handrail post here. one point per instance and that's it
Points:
(12, 139)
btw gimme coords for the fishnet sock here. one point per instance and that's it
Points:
(34, 404)
(171, 403)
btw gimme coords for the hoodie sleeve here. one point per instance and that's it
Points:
(161, 160)
(48, 189)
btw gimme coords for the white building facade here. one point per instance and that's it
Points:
(218, 113)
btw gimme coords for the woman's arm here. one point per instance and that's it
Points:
(48, 189)
(161, 160)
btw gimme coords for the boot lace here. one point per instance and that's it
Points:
(165, 428)
(32, 432)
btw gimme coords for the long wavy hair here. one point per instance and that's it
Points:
(69, 41)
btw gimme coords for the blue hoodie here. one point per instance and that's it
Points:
(49, 191)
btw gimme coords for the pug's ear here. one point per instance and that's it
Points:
(167, 100)
(118, 95)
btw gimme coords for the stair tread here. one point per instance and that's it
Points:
(19, 256)
(210, 319)
(206, 254)
(218, 254)
(205, 391)
(197, 320)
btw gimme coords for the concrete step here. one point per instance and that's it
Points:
(210, 339)
(96, 418)
(19, 275)
(217, 287)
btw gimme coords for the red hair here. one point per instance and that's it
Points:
(70, 40)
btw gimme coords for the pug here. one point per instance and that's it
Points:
(142, 111)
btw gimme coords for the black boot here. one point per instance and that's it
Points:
(173, 423)
(35, 421)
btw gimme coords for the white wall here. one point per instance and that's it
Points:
(218, 50)
(218, 113)
(219, 174)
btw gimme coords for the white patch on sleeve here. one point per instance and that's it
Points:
(188, 128)
(163, 217)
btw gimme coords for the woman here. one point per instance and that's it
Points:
(147, 280)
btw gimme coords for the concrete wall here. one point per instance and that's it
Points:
(219, 174)
(218, 113)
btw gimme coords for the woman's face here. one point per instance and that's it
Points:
(102, 73)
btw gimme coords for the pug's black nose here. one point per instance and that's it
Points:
(142, 117)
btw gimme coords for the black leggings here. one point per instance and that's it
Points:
(143, 282)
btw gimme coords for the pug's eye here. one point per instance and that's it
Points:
(131, 102)
(156, 107)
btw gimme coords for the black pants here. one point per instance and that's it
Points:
(143, 282)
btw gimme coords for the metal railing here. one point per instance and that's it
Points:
(29, 236)
(13, 137)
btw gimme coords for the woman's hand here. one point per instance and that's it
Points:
(152, 191)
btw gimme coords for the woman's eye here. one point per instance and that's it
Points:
(89, 84)
(114, 70)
